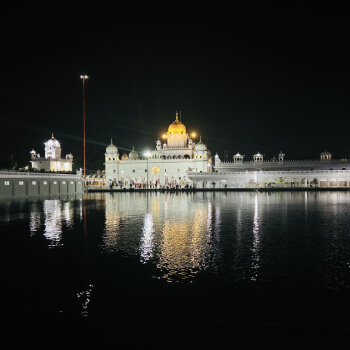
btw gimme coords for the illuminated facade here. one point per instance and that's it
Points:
(168, 165)
(276, 173)
(52, 160)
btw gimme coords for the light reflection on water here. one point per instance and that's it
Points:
(246, 235)
(265, 239)
(173, 232)
(53, 221)
(146, 249)
(255, 248)
(50, 215)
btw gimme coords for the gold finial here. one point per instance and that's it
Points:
(177, 116)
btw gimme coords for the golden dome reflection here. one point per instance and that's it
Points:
(162, 233)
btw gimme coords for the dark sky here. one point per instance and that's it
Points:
(262, 77)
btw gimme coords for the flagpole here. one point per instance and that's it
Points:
(84, 77)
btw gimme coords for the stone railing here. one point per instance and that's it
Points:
(268, 172)
(7, 174)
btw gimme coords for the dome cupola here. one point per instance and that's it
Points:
(176, 135)
(133, 155)
(111, 148)
(258, 157)
(326, 155)
(52, 148)
(176, 127)
(52, 142)
(200, 146)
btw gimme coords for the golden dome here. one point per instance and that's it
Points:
(176, 127)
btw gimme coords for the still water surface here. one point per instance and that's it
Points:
(279, 258)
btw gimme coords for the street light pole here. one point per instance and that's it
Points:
(84, 77)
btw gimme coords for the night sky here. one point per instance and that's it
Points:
(262, 77)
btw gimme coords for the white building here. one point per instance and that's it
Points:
(168, 165)
(276, 173)
(52, 160)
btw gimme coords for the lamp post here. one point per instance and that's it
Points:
(84, 77)
(147, 154)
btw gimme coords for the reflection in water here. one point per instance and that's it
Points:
(182, 244)
(336, 242)
(139, 241)
(110, 236)
(185, 240)
(68, 214)
(174, 253)
(182, 234)
(86, 298)
(52, 214)
(35, 218)
(255, 249)
(147, 238)
(53, 222)
(179, 251)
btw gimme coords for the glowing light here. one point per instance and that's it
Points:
(193, 134)
(147, 154)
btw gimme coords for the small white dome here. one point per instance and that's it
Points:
(52, 142)
(200, 146)
(133, 155)
(111, 148)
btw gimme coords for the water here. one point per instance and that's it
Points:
(152, 264)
